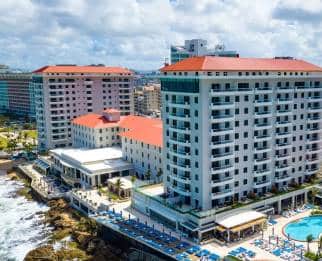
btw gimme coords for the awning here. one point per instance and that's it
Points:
(220, 229)
(248, 225)
(190, 226)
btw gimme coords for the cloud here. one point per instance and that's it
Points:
(138, 33)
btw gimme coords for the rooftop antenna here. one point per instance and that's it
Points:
(166, 61)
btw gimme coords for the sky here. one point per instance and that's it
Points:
(138, 33)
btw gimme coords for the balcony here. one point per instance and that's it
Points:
(313, 140)
(262, 183)
(179, 104)
(282, 167)
(283, 156)
(263, 114)
(263, 138)
(284, 101)
(263, 102)
(222, 181)
(222, 194)
(180, 129)
(283, 112)
(284, 134)
(181, 179)
(311, 171)
(223, 91)
(180, 153)
(220, 143)
(223, 156)
(315, 98)
(313, 161)
(262, 161)
(282, 178)
(313, 130)
(222, 168)
(180, 117)
(284, 145)
(179, 165)
(262, 149)
(222, 117)
(222, 105)
(262, 172)
(315, 109)
(179, 141)
(223, 131)
(262, 90)
(283, 123)
(181, 190)
(314, 119)
(263, 125)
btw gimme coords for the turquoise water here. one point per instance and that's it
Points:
(300, 229)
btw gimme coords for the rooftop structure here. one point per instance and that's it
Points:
(89, 167)
(198, 47)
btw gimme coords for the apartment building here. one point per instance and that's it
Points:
(238, 126)
(197, 47)
(147, 100)
(64, 92)
(16, 94)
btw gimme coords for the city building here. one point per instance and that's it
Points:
(16, 94)
(234, 130)
(140, 139)
(88, 168)
(197, 47)
(147, 100)
(64, 92)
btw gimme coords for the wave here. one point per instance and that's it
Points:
(21, 222)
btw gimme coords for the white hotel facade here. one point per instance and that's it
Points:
(233, 127)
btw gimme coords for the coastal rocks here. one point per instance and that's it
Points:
(46, 253)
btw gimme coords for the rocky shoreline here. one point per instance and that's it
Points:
(73, 236)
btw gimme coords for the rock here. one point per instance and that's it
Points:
(46, 253)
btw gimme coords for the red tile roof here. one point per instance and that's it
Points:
(94, 120)
(138, 128)
(212, 63)
(81, 69)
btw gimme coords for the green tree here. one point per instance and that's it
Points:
(148, 174)
(159, 174)
(309, 239)
(12, 144)
(133, 179)
(28, 147)
(118, 186)
(314, 193)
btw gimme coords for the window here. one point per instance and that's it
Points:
(245, 181)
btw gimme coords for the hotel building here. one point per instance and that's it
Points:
(235, 129)
(139, 137)
(237, 126)
(147, 100)
(63, 93)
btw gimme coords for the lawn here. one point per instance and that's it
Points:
(3, 143)
(31, 133)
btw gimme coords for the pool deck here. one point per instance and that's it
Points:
(260, 253)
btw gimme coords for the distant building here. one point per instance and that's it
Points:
(16, 95)
(197, 47)
(64, 92)
(147, 100)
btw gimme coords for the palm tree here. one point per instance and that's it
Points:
(159, 174)
(12, 144)
(133, 179)
(118, 186)
(314, 192)
(148, 174)
(309, 239)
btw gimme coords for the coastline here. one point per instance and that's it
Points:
(73, 236)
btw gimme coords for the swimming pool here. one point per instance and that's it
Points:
(303, 227)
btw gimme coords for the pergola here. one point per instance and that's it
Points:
(236, 223)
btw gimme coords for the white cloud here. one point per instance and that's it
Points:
(138, 33)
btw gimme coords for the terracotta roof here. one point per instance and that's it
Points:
(138, 128)
(94, 120)
(81, 69)
(212, 63)
(143, 129)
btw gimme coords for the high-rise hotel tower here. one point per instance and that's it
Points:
(235, 127)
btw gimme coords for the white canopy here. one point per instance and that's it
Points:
(241, 218)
